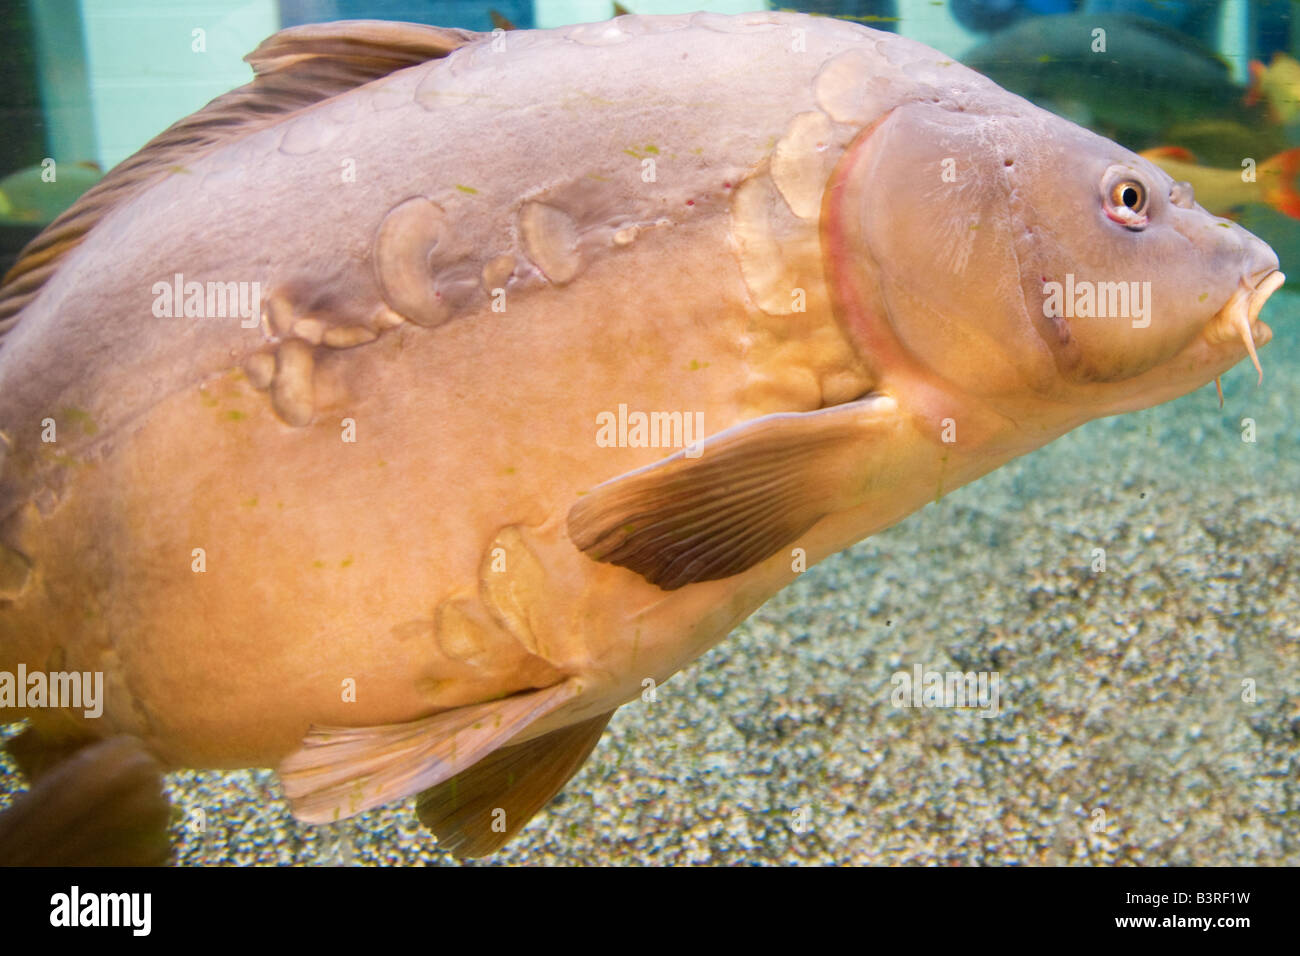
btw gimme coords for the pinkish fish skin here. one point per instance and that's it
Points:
(370, 532)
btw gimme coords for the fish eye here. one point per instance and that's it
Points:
(1131, 194)
(1125, 198)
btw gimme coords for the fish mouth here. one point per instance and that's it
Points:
(1238, 320)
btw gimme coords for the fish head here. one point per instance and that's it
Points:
(1022, 260)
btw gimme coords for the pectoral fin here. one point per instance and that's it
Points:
(343, 771)
(102, 806)
(752, 490)
(476, 812)
(37, 754)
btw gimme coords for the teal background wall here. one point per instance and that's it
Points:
(142, 65)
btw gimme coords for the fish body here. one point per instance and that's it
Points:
(1277, 84)
(1126, 75)
(568, 349)
(1225, 142)
(38, 194)
(1221, 191)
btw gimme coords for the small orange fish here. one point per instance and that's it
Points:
(1221, 191)
(1278, 84)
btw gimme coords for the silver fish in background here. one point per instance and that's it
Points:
(414, 404)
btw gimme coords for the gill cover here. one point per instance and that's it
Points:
(921, 249)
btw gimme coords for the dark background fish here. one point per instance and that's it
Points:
(1150, 77)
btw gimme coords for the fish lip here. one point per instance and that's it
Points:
(1258, 277)
(1259, 292)
(1237, 323)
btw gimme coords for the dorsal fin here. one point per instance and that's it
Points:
(293, 69)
